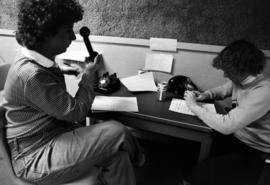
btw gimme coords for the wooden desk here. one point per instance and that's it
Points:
(154, 116)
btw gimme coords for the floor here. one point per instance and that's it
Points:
(168, 160)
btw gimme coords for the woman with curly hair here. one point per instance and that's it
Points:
(46, 145)
(236, 156)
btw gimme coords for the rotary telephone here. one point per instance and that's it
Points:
(179, 84)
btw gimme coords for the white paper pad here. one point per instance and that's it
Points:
(141, 82)
(159, 62)
(163, 44)
(110, 103)
(179, 105)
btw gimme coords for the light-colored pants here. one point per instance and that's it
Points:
(108, 146)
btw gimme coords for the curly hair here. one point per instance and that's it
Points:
(240, 57)
(40, 18)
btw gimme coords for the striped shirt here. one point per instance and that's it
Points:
(37, 100)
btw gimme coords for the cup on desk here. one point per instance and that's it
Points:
(161, 91)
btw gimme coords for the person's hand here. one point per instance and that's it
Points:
(190, 98)
(72, 67)
(92, 68)
(18, 181)
(70, 70)
(97, 65)
(201, 96)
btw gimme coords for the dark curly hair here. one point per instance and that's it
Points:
(240, 57)
(40, 18)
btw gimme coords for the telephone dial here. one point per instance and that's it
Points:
(107, 83)
(179, 84)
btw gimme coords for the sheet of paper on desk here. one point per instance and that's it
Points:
(179, 105)
(140, 82)
(112, 103)
(159, 62)
(163, 44)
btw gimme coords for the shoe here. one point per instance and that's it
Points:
(183, 182)
(141, 160)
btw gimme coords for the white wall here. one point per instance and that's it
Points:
(125, 56)
(125, 60)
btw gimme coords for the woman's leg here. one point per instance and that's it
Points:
(107, 145)
(117, 170)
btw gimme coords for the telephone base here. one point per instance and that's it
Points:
(107, 84)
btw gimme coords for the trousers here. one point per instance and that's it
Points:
(108, 146)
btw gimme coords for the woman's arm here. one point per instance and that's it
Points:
(250, 109)
(220, 92)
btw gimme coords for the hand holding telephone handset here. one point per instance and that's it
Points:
(85, 32)
(75, 68)
(106, 84)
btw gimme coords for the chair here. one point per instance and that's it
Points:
(4, 176)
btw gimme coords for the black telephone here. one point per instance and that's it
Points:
(179, 84)
(106, 84)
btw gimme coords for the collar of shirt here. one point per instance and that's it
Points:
(40, 59)
(250, 79)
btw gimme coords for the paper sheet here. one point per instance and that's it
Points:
(163, 44)
(73, 55)
(111, 103)
(141, 82)
(179, 105)
(159, 62)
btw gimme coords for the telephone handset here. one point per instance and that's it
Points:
(85, 32)
(179, 84)
(106, 84)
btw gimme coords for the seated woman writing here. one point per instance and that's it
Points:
(245, 129)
